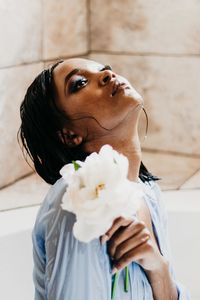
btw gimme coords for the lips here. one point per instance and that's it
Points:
(117, 86)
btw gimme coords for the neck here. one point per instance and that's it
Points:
(132, 151)
(126, 141)
(130, 148)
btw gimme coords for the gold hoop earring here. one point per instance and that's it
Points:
(147, 122)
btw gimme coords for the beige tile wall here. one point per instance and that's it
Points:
(20, 32)
(65, 28)
(14, 82)
(140, 26)
(31, 32)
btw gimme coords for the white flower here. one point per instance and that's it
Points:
(98, 192)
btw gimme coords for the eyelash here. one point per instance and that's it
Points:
(74, 86)
(107, 67)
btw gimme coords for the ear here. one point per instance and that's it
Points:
(69, 137)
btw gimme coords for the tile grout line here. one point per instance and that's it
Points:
(100, 53)
(44, 60)
(19, 207)
(88, 5)
(42, 32)
(154, 54)
(174, 153)
(15, 181)
(196, 171)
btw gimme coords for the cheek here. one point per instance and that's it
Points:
(106, 110)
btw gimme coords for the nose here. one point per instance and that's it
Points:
(106, 76)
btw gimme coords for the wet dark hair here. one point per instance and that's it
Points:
(40, 123)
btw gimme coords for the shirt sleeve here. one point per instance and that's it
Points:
(39, 266)
(165, 241)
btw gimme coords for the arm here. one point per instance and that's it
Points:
(160, 279)
(136, 242)
(162, 283)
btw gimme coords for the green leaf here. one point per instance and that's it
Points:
(76, 165)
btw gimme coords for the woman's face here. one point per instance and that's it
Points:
(87, 88)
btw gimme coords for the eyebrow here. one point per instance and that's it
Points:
(68, 76)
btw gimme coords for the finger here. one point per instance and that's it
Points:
(124, 234)
(133, 242)
(133, 255)
(117, 223)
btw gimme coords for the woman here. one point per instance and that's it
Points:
(70, 111)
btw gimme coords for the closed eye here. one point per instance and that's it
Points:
(77, 84)
(81, 81)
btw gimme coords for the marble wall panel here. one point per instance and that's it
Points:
(14, 83)
(65, 28)
(20, 32)
(140, 26)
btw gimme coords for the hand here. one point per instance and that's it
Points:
(130, 240)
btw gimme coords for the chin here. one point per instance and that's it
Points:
(132, 93)
(134, 99)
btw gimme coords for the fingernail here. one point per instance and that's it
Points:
(146, 238)
(114, 270)
(104, 239)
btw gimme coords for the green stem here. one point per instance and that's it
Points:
(126, 279)
(114, 285)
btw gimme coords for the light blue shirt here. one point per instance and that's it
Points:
(67, 269)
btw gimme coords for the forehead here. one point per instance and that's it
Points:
(75, 63)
